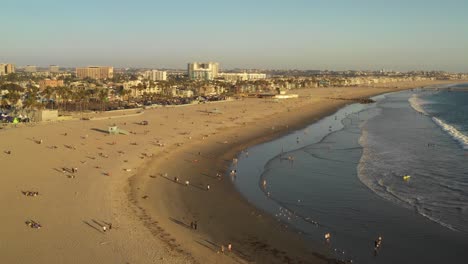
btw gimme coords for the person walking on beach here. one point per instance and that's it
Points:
(195, 225)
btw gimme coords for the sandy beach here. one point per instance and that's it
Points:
(114, 199)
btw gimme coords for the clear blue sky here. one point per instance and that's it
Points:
(302, 34)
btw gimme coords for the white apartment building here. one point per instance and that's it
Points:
(155, 75)
(203, 70)
(233, 77)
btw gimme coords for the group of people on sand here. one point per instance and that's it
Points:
(176, 180)
(72, 170)
(33, 224)
(229, 248)
(108, 227)
(30, 193)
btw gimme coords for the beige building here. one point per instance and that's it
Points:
(30, 68)
(95, 72)
(203, 70)
(6, 68)
(50, 83)
(54, 68)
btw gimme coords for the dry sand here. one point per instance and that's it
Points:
(127, 181)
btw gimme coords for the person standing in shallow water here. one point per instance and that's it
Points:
(377, 244)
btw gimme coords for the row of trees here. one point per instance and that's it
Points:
(61, 98)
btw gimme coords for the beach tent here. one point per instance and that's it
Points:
(114, 130)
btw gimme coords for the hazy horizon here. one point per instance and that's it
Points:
(304, 35)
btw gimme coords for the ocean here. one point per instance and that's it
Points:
(343, 175)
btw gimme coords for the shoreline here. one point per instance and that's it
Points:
(119, 182)
(331, 195)
(229, 152)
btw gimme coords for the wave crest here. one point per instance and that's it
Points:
(453, 132)
(416, 103)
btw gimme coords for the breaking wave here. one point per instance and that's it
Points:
(416, 103)
(453, 132)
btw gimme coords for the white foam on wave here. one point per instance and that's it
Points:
(453, 132)
(416, 103)
(433, 219)
(370, 175)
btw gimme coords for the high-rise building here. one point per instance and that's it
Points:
(6, 68)
(10, 68)
(30, 68)
(95, 72)
(54, 68)
(203, 71)
(156, 75)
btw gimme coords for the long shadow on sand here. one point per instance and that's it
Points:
(100, 130)
(179, 222)
(93, 227)
(172, 180)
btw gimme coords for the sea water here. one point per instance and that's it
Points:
(344, 175)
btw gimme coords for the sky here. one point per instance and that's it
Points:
(265, 34)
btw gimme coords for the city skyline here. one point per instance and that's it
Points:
(305, 35)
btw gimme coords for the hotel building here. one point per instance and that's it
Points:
(95, 72)
(155, 75)
(203, 71)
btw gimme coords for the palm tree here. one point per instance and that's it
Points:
(103, 94)
(33, 93)
(47, 93)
